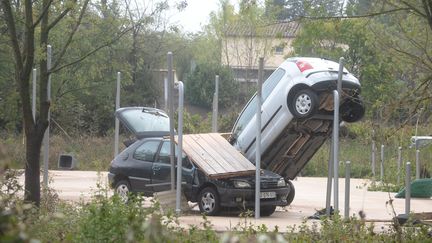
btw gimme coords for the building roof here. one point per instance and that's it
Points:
(277, 30)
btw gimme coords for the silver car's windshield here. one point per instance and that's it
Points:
(250, 109)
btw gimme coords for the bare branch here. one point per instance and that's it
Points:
(91, 52)
(69, 40)
(10, 22)
(60, 17)
(44, 12)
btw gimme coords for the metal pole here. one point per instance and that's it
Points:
(408, 188)
(258, 141)
(399, 165)
(166, 94)
(382, 164)
(336, 150)
(171, 116)
(329, 179)
(340, 73)
(347, 188)
(47, 131)
(179, 146)
(373, 159)
(417, 164)
(34, 95)
(117, 125)
(215, 105)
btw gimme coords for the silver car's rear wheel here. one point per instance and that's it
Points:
(304, 103)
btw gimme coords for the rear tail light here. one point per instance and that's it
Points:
(303, 65)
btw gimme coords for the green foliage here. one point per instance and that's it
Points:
(200, 85)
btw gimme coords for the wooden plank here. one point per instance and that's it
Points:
(225, 153)
(197, 158)
(203, 160)
(216, 152)
(215, 156)
(237, 156)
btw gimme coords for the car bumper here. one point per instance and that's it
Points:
(332, 85)
(111, 179)
(246, 197)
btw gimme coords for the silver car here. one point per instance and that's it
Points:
(297, 113)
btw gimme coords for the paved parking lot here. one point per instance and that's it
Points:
(310, 196)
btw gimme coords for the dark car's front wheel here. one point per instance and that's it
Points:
(122, 189)
(291, 194)
(303, 104)
(209, 201)
(267, 210)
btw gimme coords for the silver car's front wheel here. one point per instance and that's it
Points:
(209, 202)
(304, 103)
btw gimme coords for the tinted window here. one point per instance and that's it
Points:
(165, 152)
(146, 120)
(251, 107)
(147, 151)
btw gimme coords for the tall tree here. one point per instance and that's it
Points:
(29, 27)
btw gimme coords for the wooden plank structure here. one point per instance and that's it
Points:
(215, 156)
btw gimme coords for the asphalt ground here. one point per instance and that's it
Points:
(378, 207)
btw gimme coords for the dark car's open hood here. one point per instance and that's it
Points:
(144, 121)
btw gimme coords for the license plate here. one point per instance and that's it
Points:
(268, 194)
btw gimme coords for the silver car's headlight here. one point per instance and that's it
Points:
(241, 184)
(281, 182)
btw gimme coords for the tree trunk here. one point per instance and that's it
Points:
(32, 168)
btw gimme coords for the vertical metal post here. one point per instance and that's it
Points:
(47, 131)
(258, 141)
(336, 151)
(408, 188)
(373, 159)
(171, 116)
(382, 164)
(329, 179)
(34, 94)
(117, 125)
(417, 164)
(166, 94)
(179, 146)
(215, 105)
(347, 188)
(336, 101)
(399, 164)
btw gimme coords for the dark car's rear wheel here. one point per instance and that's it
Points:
(304, 104)
(352, 110)
(123, 189)
(291, 194)
(267, 210)
(209, 201)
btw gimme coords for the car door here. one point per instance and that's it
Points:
(161, 176)
(141, 165)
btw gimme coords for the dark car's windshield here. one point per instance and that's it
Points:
(143, 120)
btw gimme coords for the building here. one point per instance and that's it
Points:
(243, 45)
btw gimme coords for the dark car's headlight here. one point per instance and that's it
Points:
(281, 182)
(241, 184)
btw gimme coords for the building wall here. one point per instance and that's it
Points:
(245, 52)
(242, 55)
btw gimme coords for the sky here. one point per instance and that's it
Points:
(195, 15)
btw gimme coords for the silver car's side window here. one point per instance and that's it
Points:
(147, 151)
(271, 82)
(250, 109)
